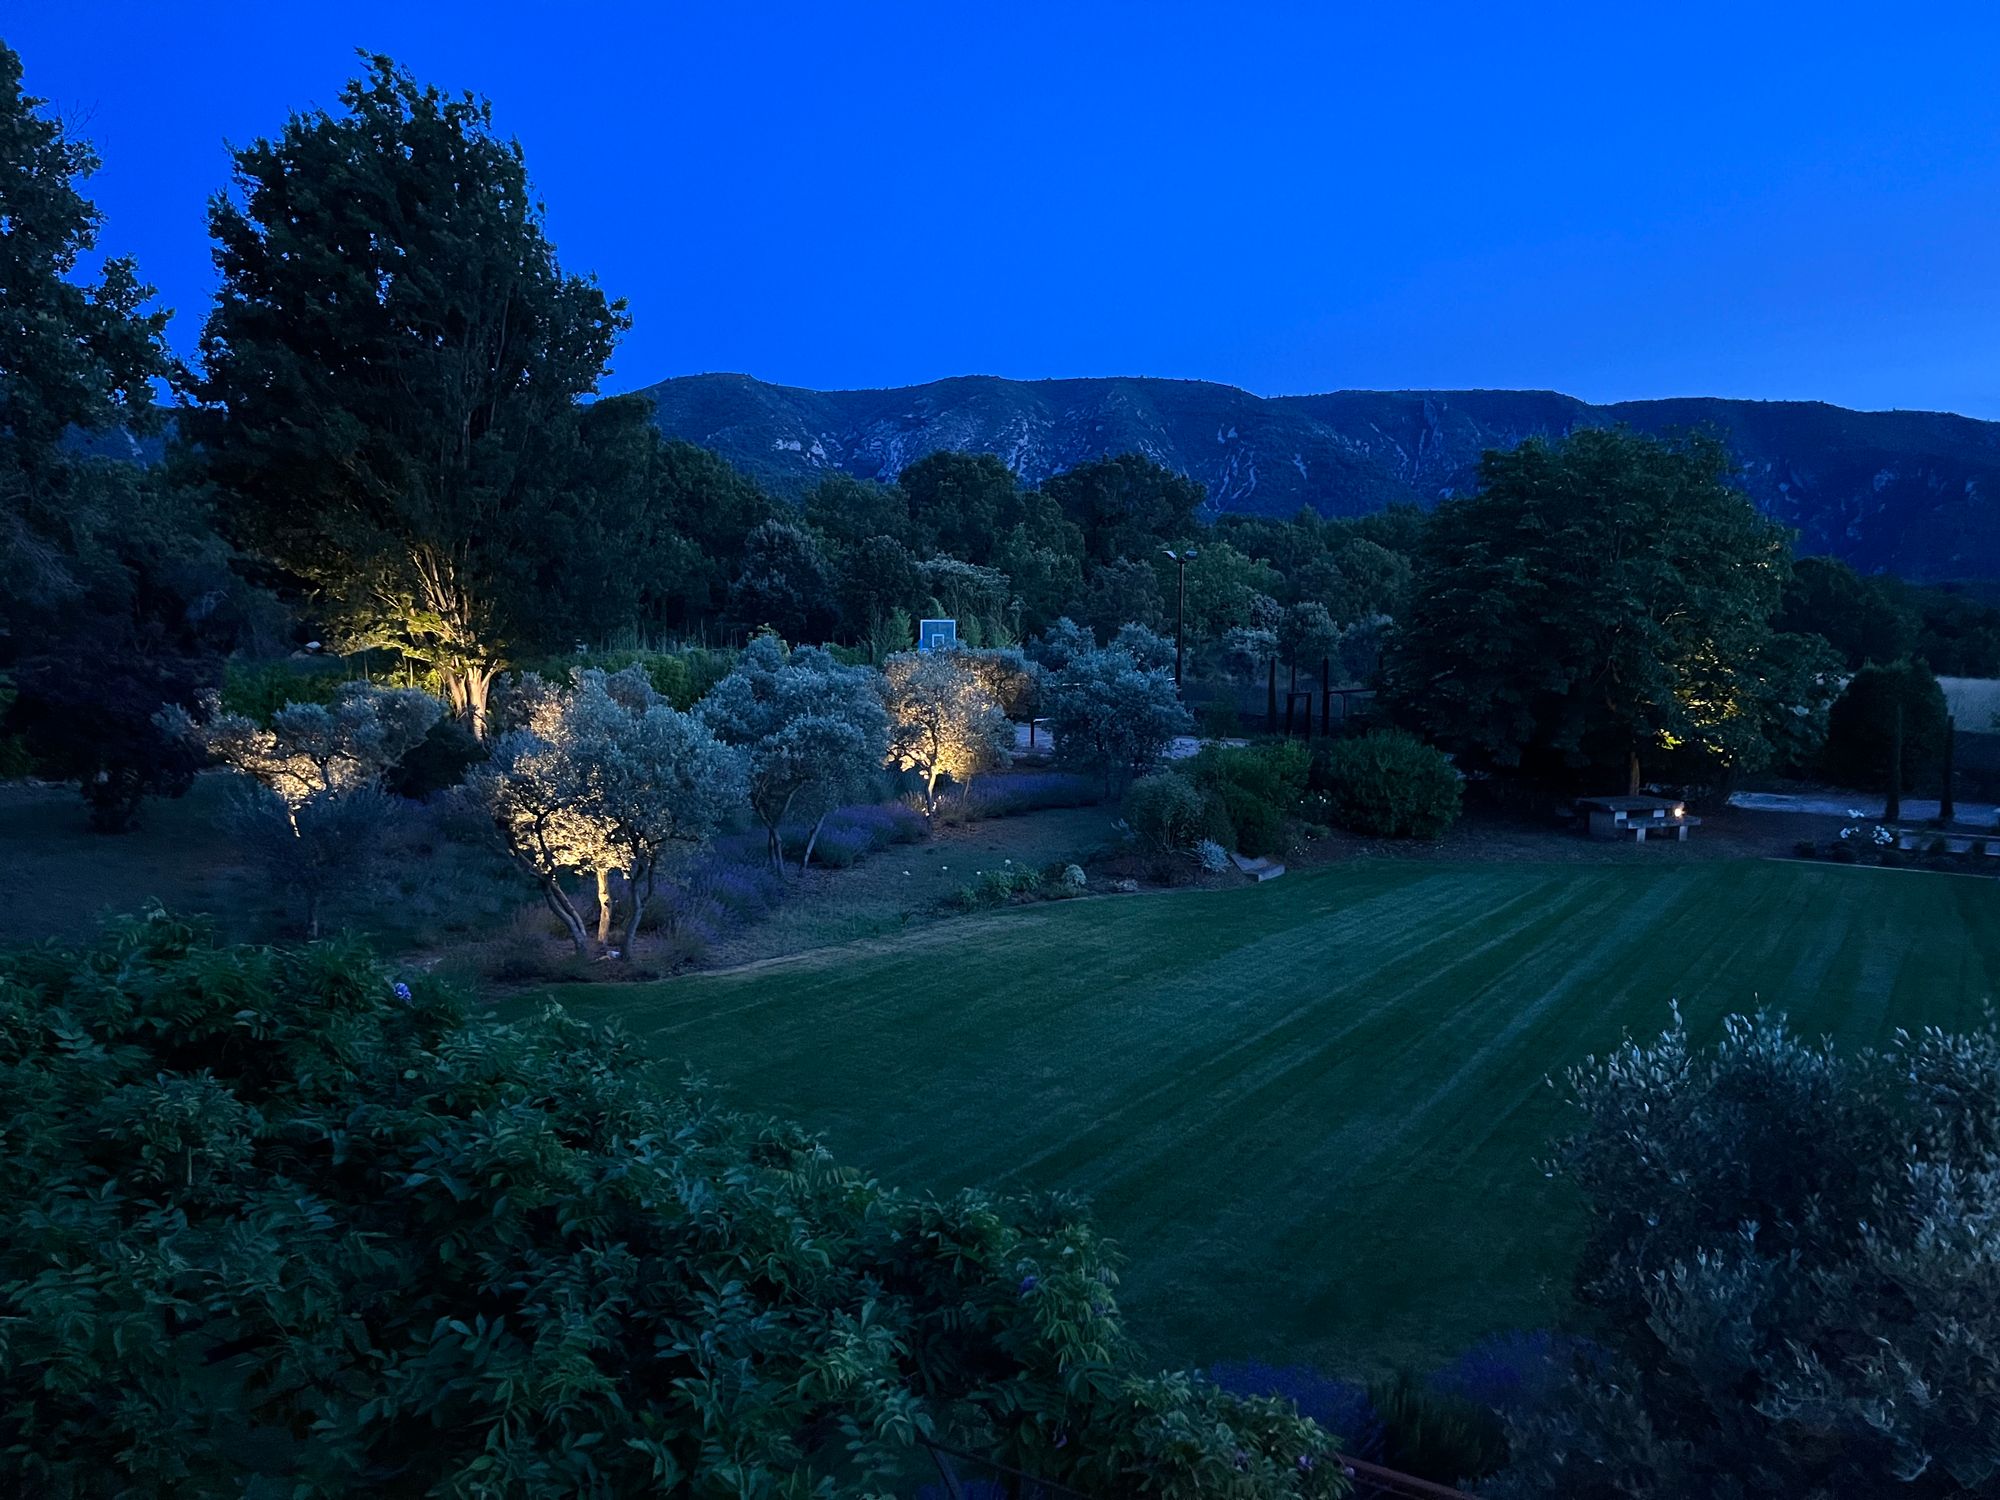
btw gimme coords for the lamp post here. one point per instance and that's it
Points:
(1181, 559)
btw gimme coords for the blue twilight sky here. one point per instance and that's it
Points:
(1614, 200)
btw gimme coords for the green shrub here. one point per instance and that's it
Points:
(1165, 811)
(1250, 791)
(1443, 1438)
(259, 689)
(1790, 1267)
(1260, 827)
(1215, 821)
(997, 888)
(1387, 784)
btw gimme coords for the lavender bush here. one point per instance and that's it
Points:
(1340, 1406)
(1019, 792)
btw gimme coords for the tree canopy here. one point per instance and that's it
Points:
(391, 382)
(813, 733)
(1602, 598)
(945, 718)
(606, 779)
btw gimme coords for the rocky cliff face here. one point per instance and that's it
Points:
(1911, 493)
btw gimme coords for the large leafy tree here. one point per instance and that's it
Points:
(1127, 506)
(699, 512)
(1886, 713)
(785, 583)
(115, 594)
(1600, 598)
(1859, 617)
(874, 578)
(962, 504)
(286, 1220)
(74, 353)
(392, 382)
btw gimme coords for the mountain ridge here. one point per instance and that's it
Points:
(1899, 491)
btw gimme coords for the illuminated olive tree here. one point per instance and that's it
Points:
(315, 749)
(317, 817)
(813, 733)
(943, 718)
(608, 780)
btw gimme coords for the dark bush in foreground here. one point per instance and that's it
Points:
(280, 1220)
(1387, 784)
(436, 763)
(1793, 1260)
(1436, 1435)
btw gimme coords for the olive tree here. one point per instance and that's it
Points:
(1115, 709)
(1791, 1260)
(813, 733)
(944, 719)
(315, 814)
(315, 749)
(606, 779)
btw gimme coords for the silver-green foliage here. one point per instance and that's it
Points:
(1795, 1262)
(813, 733)
(1115, 709)
(603, 778)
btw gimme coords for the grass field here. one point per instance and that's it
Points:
(1310, 1111)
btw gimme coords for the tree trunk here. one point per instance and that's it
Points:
(604, 905)
(1892, 805)
(774, 838)
(1632, 773)
(806, 860)
(565, 910)
(478, 694)
(1947, 795)
(638, 888)
(1271, 699)
(468, 691)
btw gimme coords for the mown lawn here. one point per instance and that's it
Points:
(1310, 1111)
